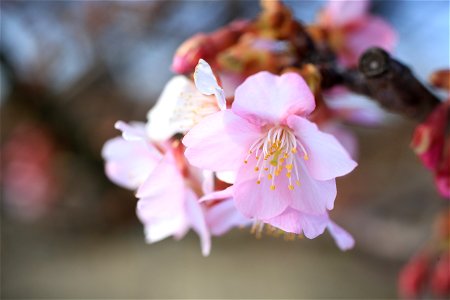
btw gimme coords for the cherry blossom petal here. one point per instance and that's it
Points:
(197, 219)
(372, 32)
(338, 13)
(207, 181)
(161, 206)
(288, 221)
(182, 231)
(161, 228)
(344, 136)
(227, 176)
(312, 196)
(165, 184)
(220, 142)
(135, 131)
(161, 125)
(297, 222)
(223, 216)
(369, 32)
(343, 239)
(327, 158)
(259, 201)
(313, 225)
(128, 164)
(267, 98)
(218, 195)
(206, 83)
(198, 176)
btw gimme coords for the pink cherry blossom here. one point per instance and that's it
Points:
(286, 167)
(30, 185)
(352, 29)
(168, 188)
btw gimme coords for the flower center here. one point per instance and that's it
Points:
(191, 109)
(274, 152)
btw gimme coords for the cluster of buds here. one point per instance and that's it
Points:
(245, 134)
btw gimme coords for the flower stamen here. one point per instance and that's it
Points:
(275, 152)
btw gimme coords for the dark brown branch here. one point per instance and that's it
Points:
(390, 83)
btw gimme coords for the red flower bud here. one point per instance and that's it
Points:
(413, 277)
(440, 278)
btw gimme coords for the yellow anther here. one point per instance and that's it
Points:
(297, 182)
(291, 187)
(294, 150)
(266, 169)
(306, 157)
(285, 155)
(256, 169)
(289, 167)
(288, 174)
(258, 182)
(272, 187)
(270, 176)
(245, 161)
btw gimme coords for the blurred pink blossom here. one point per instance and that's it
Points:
(352, 29)
(28, 176)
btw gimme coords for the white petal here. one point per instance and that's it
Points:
(207, 181)
(206, 83)
(163, 228)
(135, 131)
(227, 176)
(343, 239)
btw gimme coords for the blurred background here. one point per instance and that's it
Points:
(70, 69)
